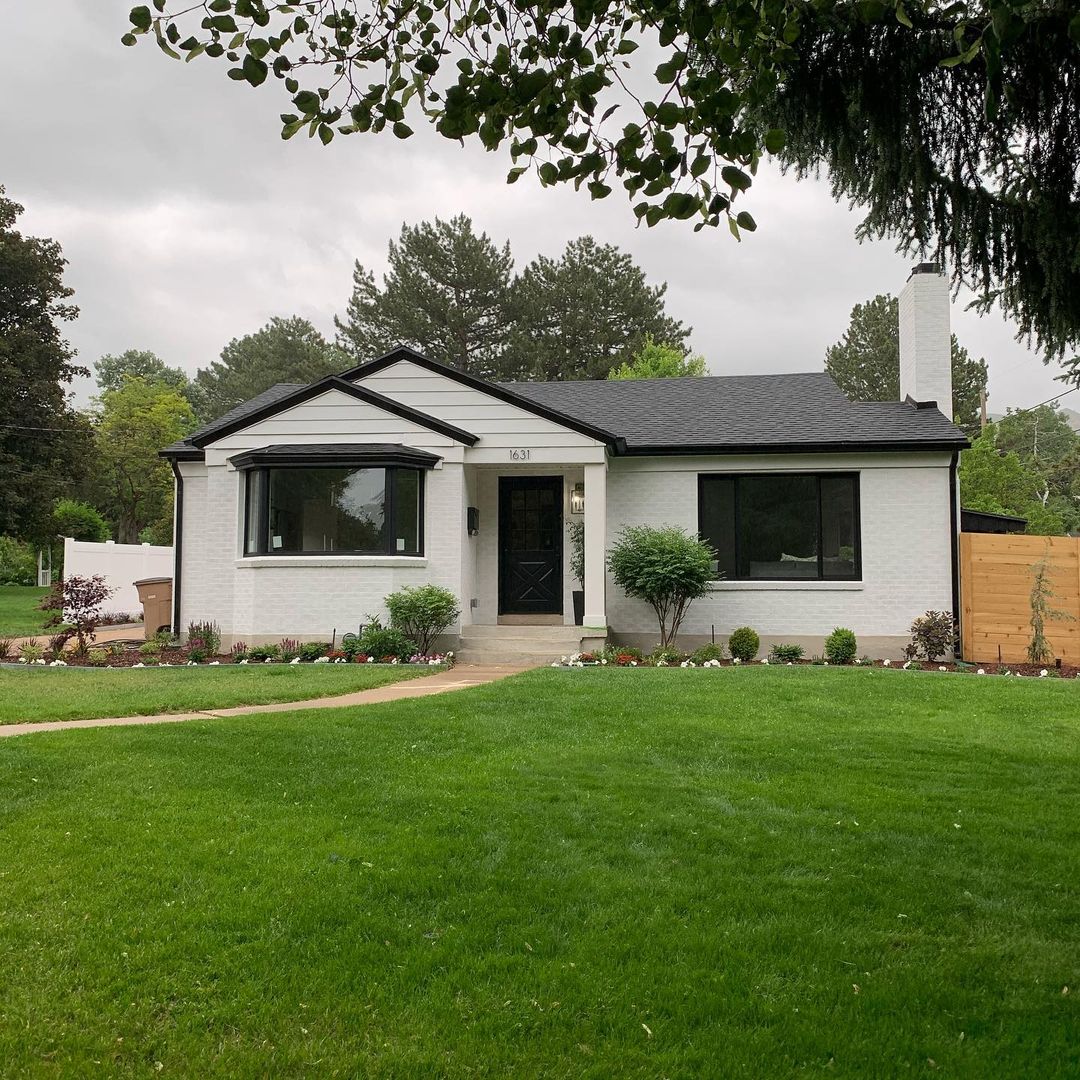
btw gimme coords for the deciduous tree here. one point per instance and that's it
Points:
(43, 441)
(957, 126)
(110, 371)
(655, 360)
(134, 422)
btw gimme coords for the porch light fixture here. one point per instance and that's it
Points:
(577, 499)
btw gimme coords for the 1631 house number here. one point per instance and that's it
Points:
(519, 455)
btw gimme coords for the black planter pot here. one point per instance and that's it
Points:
(579, 607)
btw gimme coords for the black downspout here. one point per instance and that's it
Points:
(178, 547)
(954, 542)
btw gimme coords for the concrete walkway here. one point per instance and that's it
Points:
(457, 678)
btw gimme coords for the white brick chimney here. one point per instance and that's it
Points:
(926, 339)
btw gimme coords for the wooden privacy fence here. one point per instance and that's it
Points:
(996, 576)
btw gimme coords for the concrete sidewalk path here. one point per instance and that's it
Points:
(457, 678)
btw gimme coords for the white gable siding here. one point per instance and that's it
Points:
(329, 418)
(498, 423)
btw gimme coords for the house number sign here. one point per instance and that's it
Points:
(519, 455)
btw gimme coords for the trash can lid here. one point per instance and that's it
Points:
(150, 580)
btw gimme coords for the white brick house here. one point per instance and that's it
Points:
(298, 512)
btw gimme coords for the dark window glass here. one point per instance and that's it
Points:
(788, 526)
(302, 511)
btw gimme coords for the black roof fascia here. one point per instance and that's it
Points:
(335, 382)
(402, 352)
(792, 448)
(182, 453)
(293, 455)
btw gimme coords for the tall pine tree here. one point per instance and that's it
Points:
(866, 362)
(445, 294)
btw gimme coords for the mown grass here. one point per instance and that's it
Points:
(36, 694)
(19, 614)
(647, 873)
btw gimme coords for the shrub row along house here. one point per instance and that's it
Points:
(300, 510)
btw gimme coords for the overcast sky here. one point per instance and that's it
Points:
(187, 221)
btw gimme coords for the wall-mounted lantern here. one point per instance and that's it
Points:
(577, 499)
(472, 520)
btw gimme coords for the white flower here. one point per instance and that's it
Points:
(318, 660)
(57, 663)
(245, 660)
(139, 664)
(268, 661)
(886, 663)
(555, 663)
(295, 660)
(40, 661)
(981, 671)
(765, 661)
(603, 661)
(942, 667)
(633, 663)
(191, 663)
(907, 664)
(826, 663)
(213, 663)
(23, 660)
(736, 661)
(790, 664)
(1043, 673)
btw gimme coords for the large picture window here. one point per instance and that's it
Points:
(782, 526)
(306, 511)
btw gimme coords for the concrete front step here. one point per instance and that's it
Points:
(518, 630)
(489, 656)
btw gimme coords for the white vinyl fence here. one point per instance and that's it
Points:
(121, 565)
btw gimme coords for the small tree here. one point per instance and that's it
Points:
(422, 613)
(657, 360)
(75, 604)
(80, 521)
(1042, 592)
(666, 567)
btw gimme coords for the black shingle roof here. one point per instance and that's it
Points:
(742, 412)
(713, 413)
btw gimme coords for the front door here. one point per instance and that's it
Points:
(530, 545)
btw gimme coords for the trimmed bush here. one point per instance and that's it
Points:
(421, 613)
(666, 567)
(744, 643)
(382, 641)
(711, 651)
(841, 646)
(262, 653)
(786, 654)
(80, 521)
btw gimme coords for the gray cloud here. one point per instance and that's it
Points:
(187, 221)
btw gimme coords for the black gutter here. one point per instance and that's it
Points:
(845, 447)
(178, 547)
(343, 456)
(955, 552)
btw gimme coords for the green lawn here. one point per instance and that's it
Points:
(19, 615)
(34, 694)
(738, 873)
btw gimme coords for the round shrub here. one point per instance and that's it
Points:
(841, 646)
(709, 651)
(383, 641)
(786, 654)
(422, 613)
(744, 643)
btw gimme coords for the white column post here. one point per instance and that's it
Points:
(596, 544)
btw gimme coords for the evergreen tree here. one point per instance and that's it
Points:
(866, 362)
(286, 350)
(445, 295)
(43, 441)
(581, 315)
(956, 125)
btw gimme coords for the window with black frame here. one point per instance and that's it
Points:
(782, 526)
(305, 511)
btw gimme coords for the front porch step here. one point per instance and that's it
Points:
(517, 644)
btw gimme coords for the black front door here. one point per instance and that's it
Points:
(530, 545)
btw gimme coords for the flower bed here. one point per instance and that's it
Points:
(616, 657)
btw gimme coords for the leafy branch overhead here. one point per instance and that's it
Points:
(974, 155)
